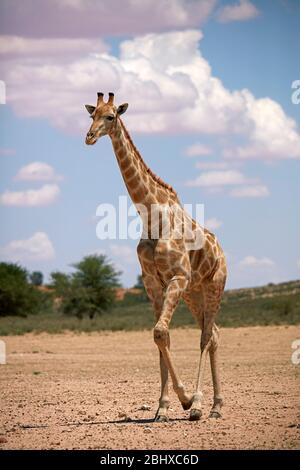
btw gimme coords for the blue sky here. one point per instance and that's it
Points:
(248, 181)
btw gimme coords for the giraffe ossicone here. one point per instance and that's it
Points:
(173, 268)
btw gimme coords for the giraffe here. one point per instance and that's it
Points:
(173, 268)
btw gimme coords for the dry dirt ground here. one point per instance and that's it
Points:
(71, 391)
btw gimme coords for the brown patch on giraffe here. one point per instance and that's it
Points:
(196, 258)
(121, 154)
(123, 164)
(161, 262)
(162, 197)
(152, 187)
(129, 172)
(138, 195)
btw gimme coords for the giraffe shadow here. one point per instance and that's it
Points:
(145, 421)
(116, 421)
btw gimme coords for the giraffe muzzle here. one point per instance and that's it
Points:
(91, 138)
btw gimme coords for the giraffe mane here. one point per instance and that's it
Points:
(155, 177)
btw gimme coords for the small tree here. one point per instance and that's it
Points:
(17, 295)
(133, 298)
(36, 278)
(90, 289)
(60, 282)
(140, 285)
(139, 282)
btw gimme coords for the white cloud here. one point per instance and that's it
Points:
(212, 165)
(298, 263)
(198, 150)
(124, 253)
(241, 11)
(254, 271)
(36, 248)
(169, 86)
(37, 171)
(252, 261)
(258, 190)
(218, 179)
(213, 223)
(94, 18)
(44, 196)
(16, 47)
(274, 136)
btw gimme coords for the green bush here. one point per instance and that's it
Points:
(89, 290)
(133, 299)
(36, 278)
(17, 295)
(60, 282)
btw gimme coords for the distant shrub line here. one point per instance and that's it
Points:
(89, 290)
(85, 300)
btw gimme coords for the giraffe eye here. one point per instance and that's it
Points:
(109, 118)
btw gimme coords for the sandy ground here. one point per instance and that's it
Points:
(69, 392)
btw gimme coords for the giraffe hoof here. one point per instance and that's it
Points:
(186, 405)
(195, 414)
(161, 419)
(215, 414)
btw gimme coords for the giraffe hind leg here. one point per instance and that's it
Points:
(209, 302)
(214, 363)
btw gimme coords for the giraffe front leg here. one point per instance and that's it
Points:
(155, 293)
(164, 402)
(161, 335)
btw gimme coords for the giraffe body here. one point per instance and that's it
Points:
(185, 264)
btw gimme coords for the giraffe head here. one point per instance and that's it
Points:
(104, 117)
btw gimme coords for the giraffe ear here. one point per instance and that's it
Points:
(122, 108)
(90, 109)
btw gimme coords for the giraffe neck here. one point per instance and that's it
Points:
(143, 186)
